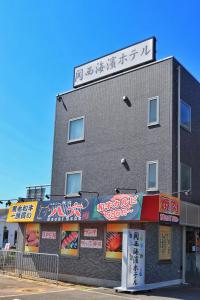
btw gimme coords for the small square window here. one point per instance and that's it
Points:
(152, 176)
(185, 115)
(76, 130)
(185, 177)
(153, 111)
(73, 183)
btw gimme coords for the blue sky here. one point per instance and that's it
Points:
(41, 42)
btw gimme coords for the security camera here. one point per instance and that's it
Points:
(123, 161)
(124, 98)
(59, 98)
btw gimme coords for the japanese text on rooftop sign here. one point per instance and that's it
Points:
(116, 62)
(22, 212)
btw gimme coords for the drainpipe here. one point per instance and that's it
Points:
(179, 174)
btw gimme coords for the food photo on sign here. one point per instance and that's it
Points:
(69, 239)
(32, 238)
(114, 240)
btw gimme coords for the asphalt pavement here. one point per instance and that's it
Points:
(13, 288)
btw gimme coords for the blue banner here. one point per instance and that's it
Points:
(117, 207)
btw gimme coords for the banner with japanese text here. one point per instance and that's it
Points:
(169, 209)
(117, 207)
(22, 212)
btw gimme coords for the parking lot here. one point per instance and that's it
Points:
(13, 288)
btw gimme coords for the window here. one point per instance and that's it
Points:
(152, 176)
(185, 115)
(185, 177)
(153, 111)
(165, 243)
(73, 183)
(76, 130)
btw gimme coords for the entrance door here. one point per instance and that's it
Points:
(192, 256)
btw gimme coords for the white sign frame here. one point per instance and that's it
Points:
(126, 58)
(128, 259)
(91, 244)
(90, 232)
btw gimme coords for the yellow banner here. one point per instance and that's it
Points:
(22, 212)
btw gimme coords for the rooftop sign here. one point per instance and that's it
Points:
(116, 62)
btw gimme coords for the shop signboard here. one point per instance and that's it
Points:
(116, 62)
(133, 259)
(169, 209)
(109, 208)
(93, 244)
(22, 212)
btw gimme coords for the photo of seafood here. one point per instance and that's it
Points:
(69, 239)
(114, 241)
(114, 236)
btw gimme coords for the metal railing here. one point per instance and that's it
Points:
(40, 265)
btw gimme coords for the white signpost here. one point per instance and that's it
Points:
(115, 62)
(133, 260)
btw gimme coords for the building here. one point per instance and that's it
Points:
(121, 129)
(8, 231)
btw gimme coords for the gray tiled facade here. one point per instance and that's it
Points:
(92, 267)
(114, 130)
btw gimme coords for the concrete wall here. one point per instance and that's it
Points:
(114, 130)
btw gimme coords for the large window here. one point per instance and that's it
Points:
(153, 111)
(73, 183)
(76, 130)
(185, 177)
(185, 117)
(152, 176)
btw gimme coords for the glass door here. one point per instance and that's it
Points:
(192, 256)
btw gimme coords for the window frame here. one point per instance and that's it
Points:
(68, 131)
(189, 129)
(157, 122)
(147, 175)
(71, 173)
(190, 188)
